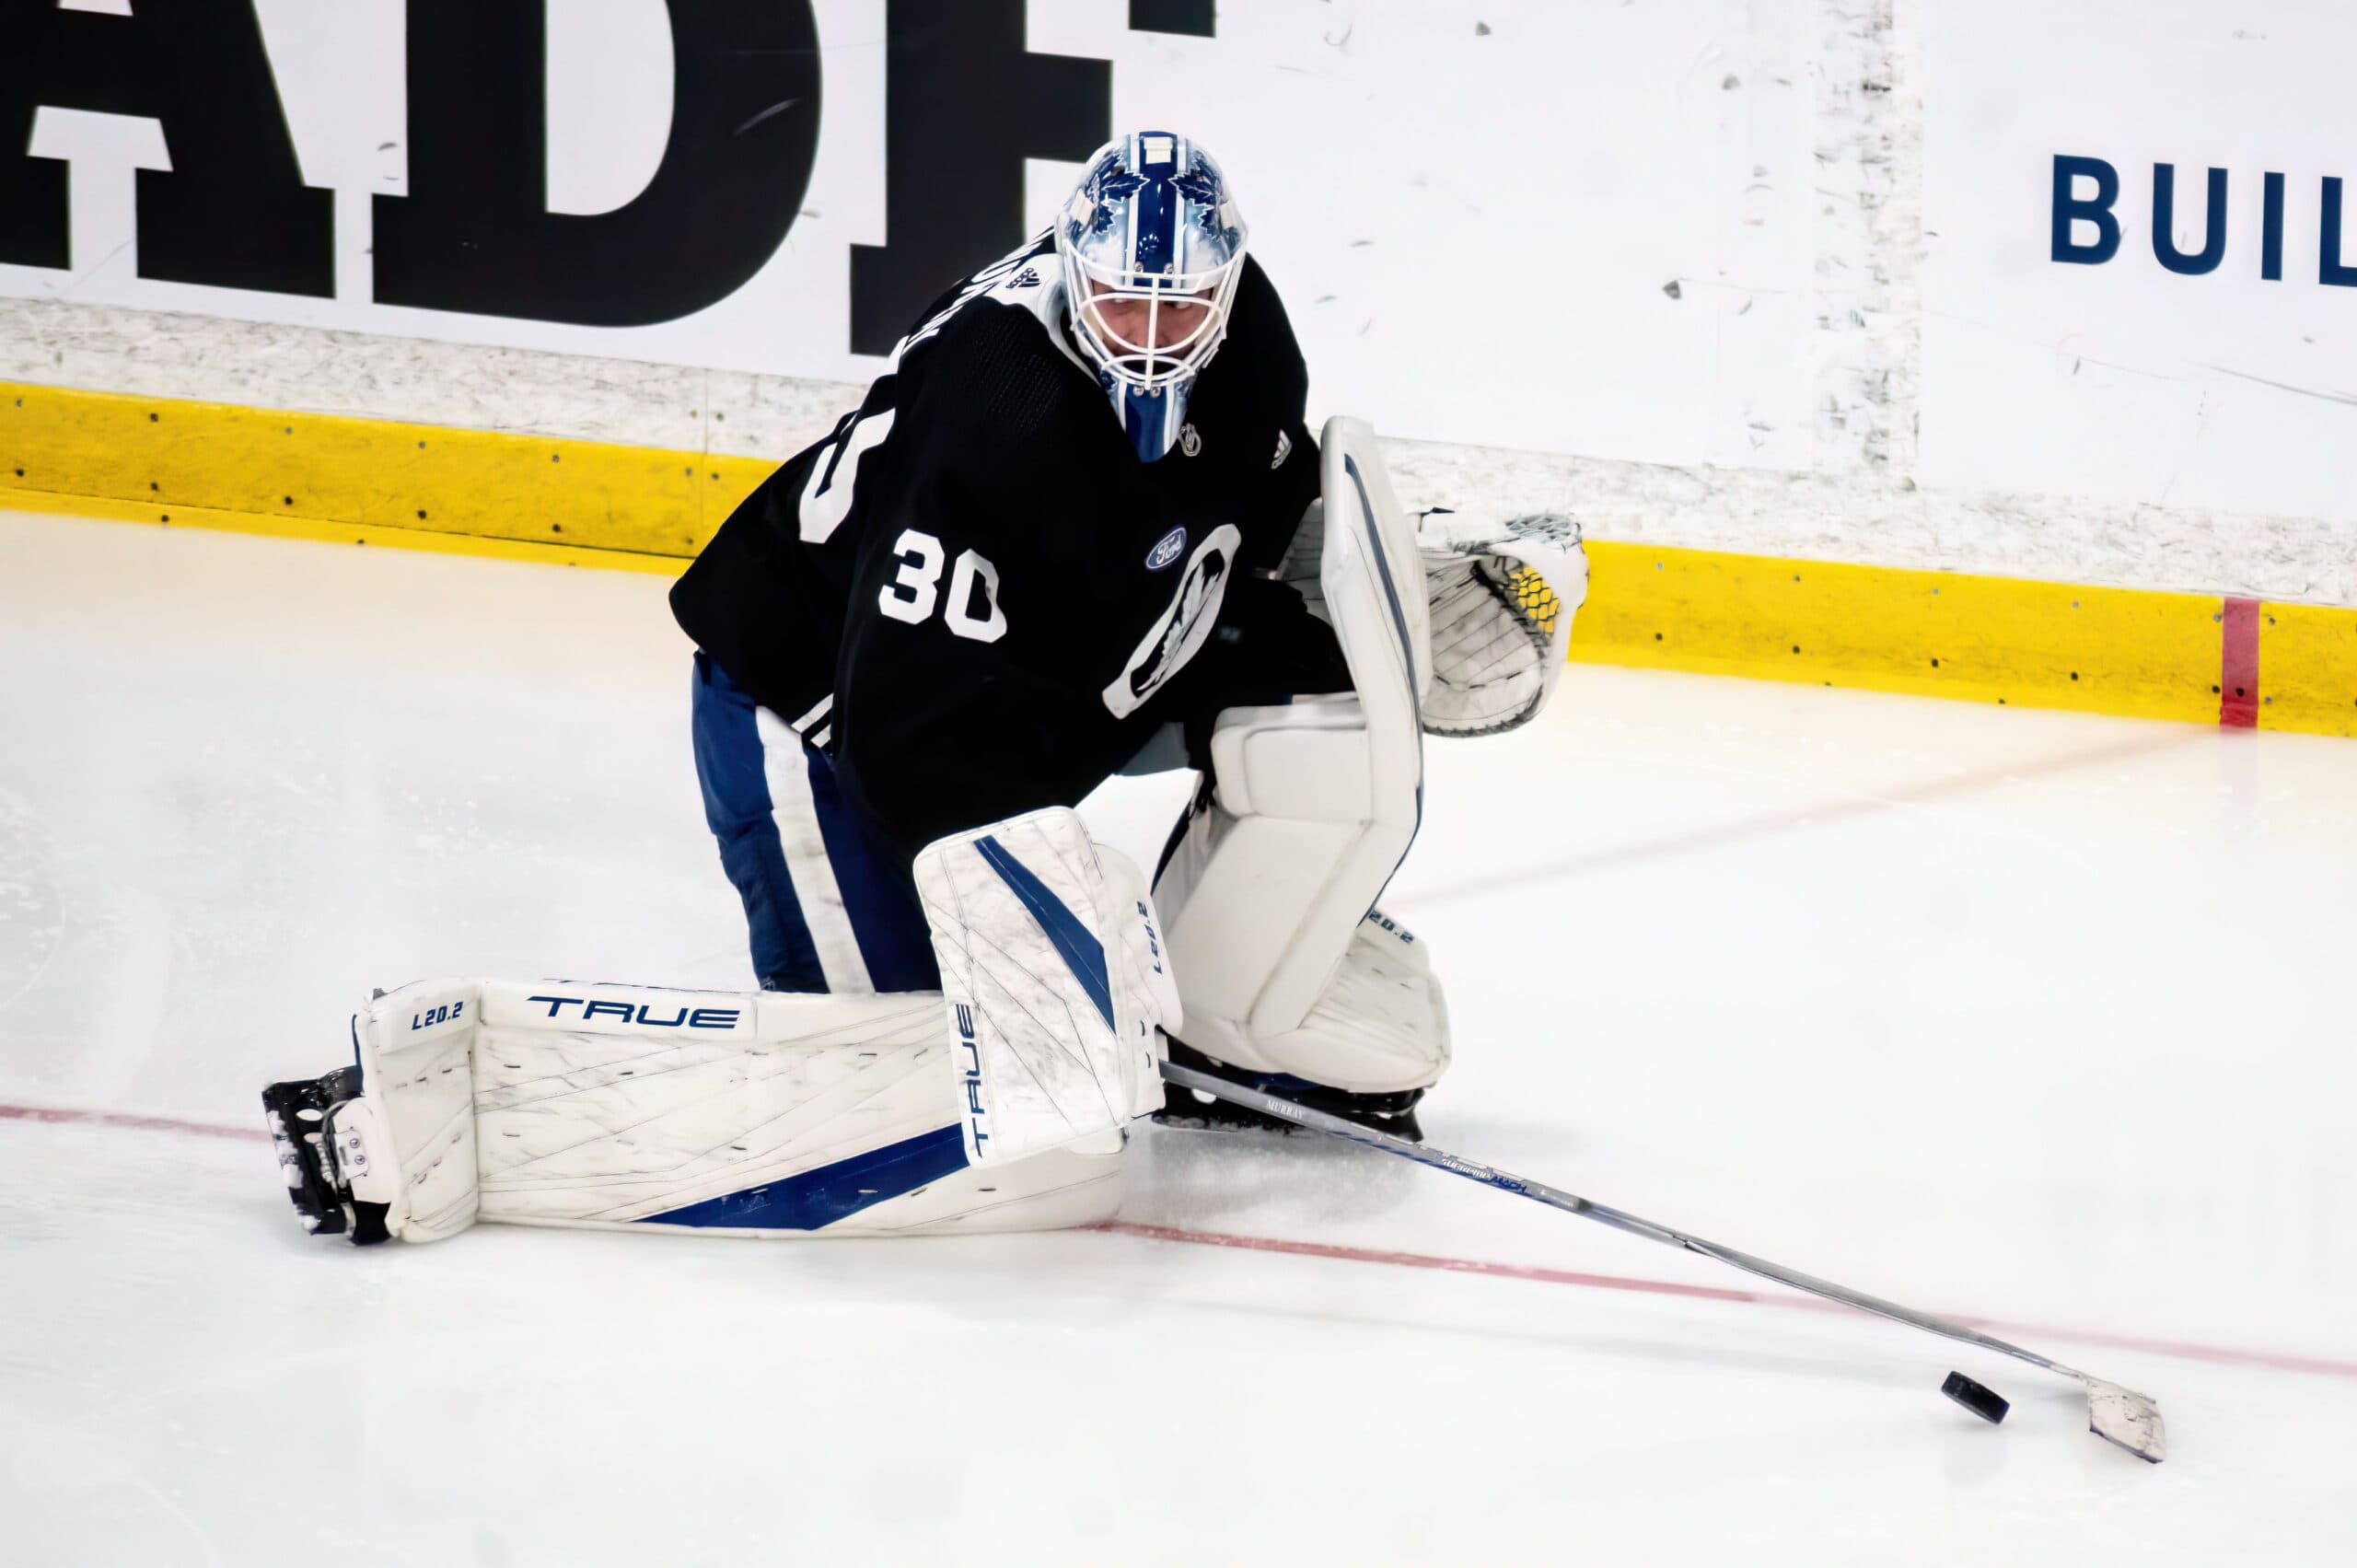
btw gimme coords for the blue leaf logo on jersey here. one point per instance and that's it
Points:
(1171, 546)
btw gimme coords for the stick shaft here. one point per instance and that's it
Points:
(1618, 1219)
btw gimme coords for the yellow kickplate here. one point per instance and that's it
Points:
(342, 533)
(1933, 633)
(645, 509)
(2307, 668)
(427, 478)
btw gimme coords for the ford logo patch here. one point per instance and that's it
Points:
(1166, 550)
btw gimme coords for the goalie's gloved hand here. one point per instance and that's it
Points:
(1503, 595)
(316, 1161)
(1269, 647)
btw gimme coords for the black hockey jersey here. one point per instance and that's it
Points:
(977, 599)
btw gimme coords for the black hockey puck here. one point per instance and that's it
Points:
(1981, 1402)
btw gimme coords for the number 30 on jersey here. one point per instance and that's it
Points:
(913, 592)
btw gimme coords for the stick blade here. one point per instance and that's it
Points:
(2128, 1419)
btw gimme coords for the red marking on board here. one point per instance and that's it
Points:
(2239, 665)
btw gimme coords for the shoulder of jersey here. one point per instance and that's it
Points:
(1017, 312)
(1261, 361)
(1003, 320)
(997, 365)
(1260, 311)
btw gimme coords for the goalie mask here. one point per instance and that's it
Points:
(1152, 247)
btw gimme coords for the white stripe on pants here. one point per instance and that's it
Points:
(787, 770)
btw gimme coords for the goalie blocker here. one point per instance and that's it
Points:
(1000, 1103)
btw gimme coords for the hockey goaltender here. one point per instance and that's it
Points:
(1078, 527)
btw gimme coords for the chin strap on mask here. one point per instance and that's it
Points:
(1151, 420)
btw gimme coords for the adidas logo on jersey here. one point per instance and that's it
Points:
(1284, 450)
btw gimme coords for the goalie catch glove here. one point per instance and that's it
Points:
(1503, 595)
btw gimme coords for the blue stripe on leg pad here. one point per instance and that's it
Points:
(1078, 946)
(829, 1192)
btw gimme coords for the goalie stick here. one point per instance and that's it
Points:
(2116, 1414)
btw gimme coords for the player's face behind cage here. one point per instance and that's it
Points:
(1151, 335)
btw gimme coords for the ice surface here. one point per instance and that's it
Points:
(2041, 1019)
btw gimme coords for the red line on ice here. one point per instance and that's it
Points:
(65, 1116)
(2184, 1350)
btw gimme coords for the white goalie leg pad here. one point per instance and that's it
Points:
(1057, 985)
(808, 1115)
(1282, 965)
(1000, 1105)
(759, 1114)
(408, 1140)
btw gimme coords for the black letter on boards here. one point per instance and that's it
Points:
(475, 235)
(1191, 19)
(2271, 238)
(2070, 207)
(2330, 270)
(2214, 244)
(965, 104)
(232, 211)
